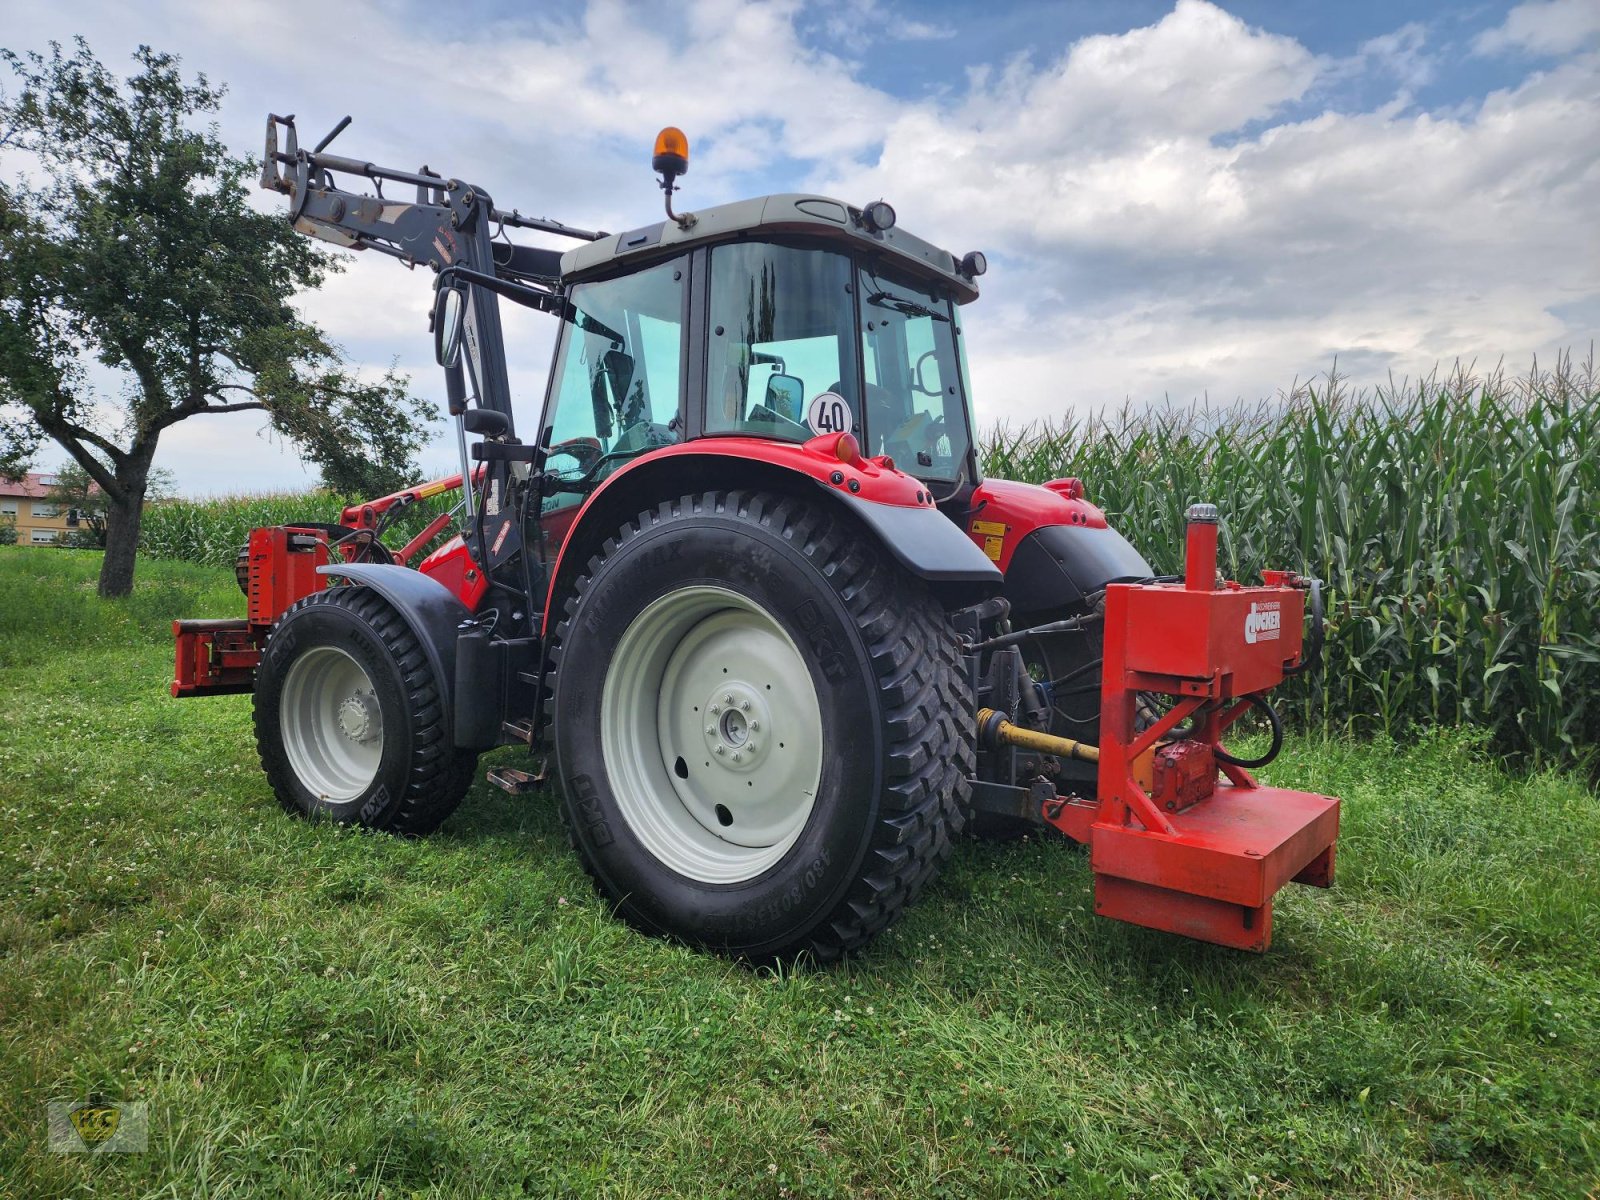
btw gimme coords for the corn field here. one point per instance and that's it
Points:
(1456, 523)
(212, 530)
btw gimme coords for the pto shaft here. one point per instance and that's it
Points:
(996, 730)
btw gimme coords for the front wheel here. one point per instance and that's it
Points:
(350, 718)
(761, 727)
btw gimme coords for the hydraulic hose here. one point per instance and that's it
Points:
(1260, 701)
(1311, 655)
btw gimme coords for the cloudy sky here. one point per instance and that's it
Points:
(1178, 200)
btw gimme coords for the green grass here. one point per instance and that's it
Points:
(315, 1012)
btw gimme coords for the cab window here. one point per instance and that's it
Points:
(915, 409)
(617, 374)
(780, 336)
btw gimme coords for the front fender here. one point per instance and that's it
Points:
(430, 611)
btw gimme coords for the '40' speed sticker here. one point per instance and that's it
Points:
(829, 413)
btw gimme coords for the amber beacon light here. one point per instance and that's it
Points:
(672, 154)
(671, 159)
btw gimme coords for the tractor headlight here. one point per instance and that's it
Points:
(877, 216)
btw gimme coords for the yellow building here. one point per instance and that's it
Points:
(39, 523)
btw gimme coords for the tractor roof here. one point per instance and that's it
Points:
(766, 216)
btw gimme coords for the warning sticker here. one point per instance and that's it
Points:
(830, 413)
(993, 534)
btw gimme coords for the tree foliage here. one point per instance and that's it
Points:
(138, 288)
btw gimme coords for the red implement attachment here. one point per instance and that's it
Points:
(1174, 847)
(215, 658)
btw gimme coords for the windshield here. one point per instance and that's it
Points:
(616, 373)
(916, 409)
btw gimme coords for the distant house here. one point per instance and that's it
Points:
(39, 523)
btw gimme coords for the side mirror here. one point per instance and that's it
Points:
(786, 396)
(449, 310)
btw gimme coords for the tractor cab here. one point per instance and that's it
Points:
(783, 318)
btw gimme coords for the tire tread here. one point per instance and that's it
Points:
(925, 703)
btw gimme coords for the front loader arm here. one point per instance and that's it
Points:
(454, 228)
(450, 226)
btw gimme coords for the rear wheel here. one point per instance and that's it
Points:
(763, 735)
(350, 719)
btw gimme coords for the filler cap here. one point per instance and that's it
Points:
(1201, 514)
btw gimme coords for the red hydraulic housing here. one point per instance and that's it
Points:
(1181, 839)
(216, 658)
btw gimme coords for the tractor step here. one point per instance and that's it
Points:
(520, 731)
(516, 781)
(1214, 877)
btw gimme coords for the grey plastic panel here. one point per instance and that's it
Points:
(932, 547)
(785, 213)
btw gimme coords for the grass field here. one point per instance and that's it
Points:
(311, 1012)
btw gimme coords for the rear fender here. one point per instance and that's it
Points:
(896, 508)
(1054, 546)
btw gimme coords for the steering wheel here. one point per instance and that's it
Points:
(586, 450)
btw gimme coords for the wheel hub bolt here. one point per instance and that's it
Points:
(732, 718)
(356, 718)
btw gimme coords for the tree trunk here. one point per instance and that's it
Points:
(123, 520)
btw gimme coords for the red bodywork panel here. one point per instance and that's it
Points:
(874, 479)
(1173, 847)
(451, 564)
(1004, 512)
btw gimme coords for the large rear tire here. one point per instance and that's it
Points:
(350, 719)
(761, 727)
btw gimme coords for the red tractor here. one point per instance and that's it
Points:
(748, 594)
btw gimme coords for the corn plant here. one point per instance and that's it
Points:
(1456, 521)
(213, 530)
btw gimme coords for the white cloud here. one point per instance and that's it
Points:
(1402, 54)
(1152, 234)
(1164, 209)
(1552, 27)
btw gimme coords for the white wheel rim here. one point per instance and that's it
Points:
(332, 724)
(712, 734)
